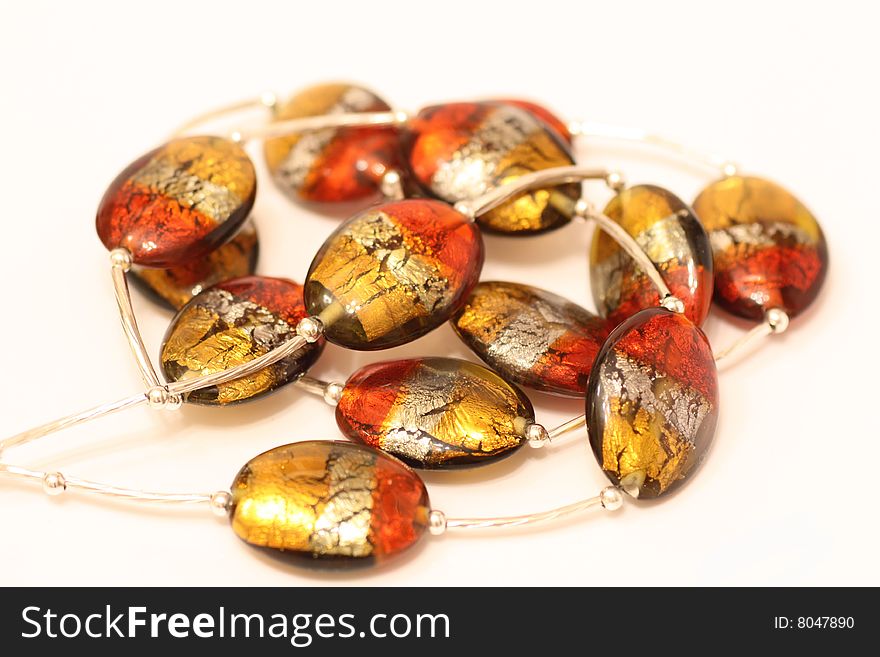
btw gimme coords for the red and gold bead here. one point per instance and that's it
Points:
(532, 337)
(233, 323)
(434, 412)
(769, 249)
(652, 402)
(176, 286)
(178, 202)
(392, 273)
(333, 503)
(671, 235)
(333, 165)
(542, 113)
(459, 151)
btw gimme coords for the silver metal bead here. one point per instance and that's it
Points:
(537, 435)
(464, 208)
(268, 99)
(611, 497)
(220, 502)
(159, 398)
(437, 522)
(673, 303)
(615, 181)
(729, 169)
(391, 186)
(310, 329)
(120, 259)
(333, 393)
(777, 319)
(54, 483)
(582, 208)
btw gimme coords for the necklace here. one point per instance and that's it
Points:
(176, 221)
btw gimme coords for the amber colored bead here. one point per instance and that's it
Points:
(392, 273)
(233, 323)
(652, 402)
(769, 249)
(178, 202)
(434, 412)
(334, 164)
(532, 337)
(331, 503)
(542, 113)
(459, 151)
(175, 287)
(672, 237)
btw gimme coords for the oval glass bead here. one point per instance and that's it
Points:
(233, 323)
(652, 402)
(176, 286)
(331, 503)
(392, 273)
(769, 249)
(178, 202)
(532, 337)
(672, 237)
(334, 164)
(434, 412)
(542, 113)
(459, 151)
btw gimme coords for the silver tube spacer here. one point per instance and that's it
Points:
(333, 392)
(120, 259)
(220, 502)
(437, 522)
(777, 319)
(310, 329)
(611, 498)
(537, 435)
(673, 303)
(159, 397)
(54, 483)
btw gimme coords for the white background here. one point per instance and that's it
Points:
(789, 493)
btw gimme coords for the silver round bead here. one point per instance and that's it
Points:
(777, 319)
(582, 207)
(537, 435)
(611, 498)
(615, 181)
(159, 397)
(310, 329)
(220, 502)
(729, 169)
(333, 393)
(391, 183)
(120, 259)
(54, 483)
(673, 303)
(437, 522)
(464, 208)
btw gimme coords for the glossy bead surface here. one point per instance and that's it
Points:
(672, 237)
(652, 402)
(392, 273)
(178, 202)
(334, 164)
(434, 412)
(231, 324)
(542, 113)
(459, 151)
(532, 337)
(176, 286)
(769, 249)
(331, 503)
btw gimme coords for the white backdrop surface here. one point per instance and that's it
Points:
(787, 495)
